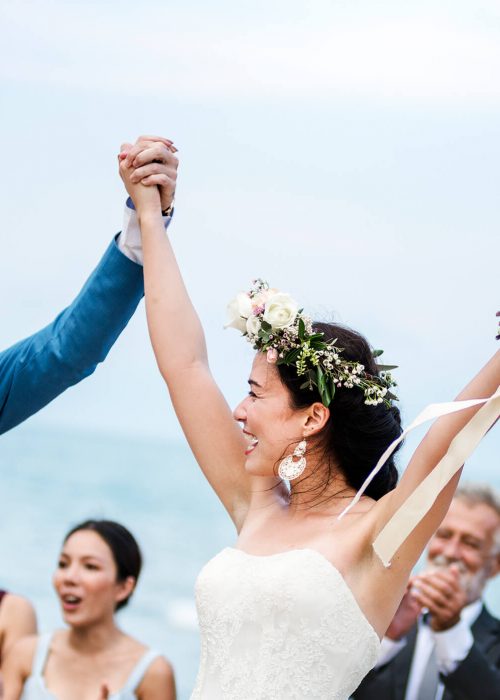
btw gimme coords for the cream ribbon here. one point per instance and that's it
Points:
(418, 504)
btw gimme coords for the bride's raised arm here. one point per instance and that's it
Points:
(179, 343)
(421, 513)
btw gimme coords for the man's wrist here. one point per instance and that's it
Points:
(129, 240)
(395, 636)
(168, 211)
(437, 625)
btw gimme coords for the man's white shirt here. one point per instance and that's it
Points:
(129, 240)
(452, 646)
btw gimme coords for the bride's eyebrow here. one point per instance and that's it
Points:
(252, 382)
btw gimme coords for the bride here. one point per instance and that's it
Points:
(296, 608)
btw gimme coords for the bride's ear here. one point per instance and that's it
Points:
(317, 416)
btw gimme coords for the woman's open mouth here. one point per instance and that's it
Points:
(70, 602)
(252, 442)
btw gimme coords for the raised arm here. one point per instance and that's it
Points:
(427, 456)
(36, 370)
(179, 346)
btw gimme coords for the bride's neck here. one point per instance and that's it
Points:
(319, 490)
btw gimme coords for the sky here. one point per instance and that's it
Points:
(347, 151)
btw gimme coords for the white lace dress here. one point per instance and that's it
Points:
(279, 627)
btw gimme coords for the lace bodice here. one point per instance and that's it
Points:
(279, 627)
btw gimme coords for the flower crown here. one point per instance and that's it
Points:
(273, 323)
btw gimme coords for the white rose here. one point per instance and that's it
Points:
(253, 325)
(281, 310)
(238, 310)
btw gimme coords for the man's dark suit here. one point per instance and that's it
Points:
(477, 677)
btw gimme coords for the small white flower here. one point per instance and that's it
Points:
(238, 310)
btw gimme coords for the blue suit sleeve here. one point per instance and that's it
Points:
(36, 370)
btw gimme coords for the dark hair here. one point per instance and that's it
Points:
(356, 434)
(124, 548)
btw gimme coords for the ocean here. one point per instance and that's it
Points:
(53, 479)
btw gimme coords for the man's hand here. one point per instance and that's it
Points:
(405, 617)
(153, 161)
(441, 593)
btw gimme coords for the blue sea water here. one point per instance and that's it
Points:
(52, 479)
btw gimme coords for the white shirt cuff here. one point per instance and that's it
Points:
(129, 240)
(452, 646)
(389, 648)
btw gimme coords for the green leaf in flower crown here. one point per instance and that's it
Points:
(320, 378)
(265, 326)
(327, 394)
(386, 368)
(332, 387)
(325, 397)
(291, 356)
(302, 329)
(323, 388)
(317, 343)
(306, 385)
(377, 353)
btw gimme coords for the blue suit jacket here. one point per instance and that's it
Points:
(37, 369)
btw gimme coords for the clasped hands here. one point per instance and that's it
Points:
(148, 169)
(440, 592)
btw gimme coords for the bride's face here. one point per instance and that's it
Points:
(271, 426)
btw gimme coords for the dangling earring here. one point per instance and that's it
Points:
(289, 469)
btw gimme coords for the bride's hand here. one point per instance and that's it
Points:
(154, 162)
(145, 199)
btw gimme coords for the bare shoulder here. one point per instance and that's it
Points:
(14, 606)
(20, 656)
(17, 620)
(158, 681)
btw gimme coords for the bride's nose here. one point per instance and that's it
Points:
(239, 412)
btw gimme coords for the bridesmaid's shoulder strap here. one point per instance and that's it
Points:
(140, 669)
(41, 654)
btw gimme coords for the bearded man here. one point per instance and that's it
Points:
(443, 644)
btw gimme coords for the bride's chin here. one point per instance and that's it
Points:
(255, 467)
